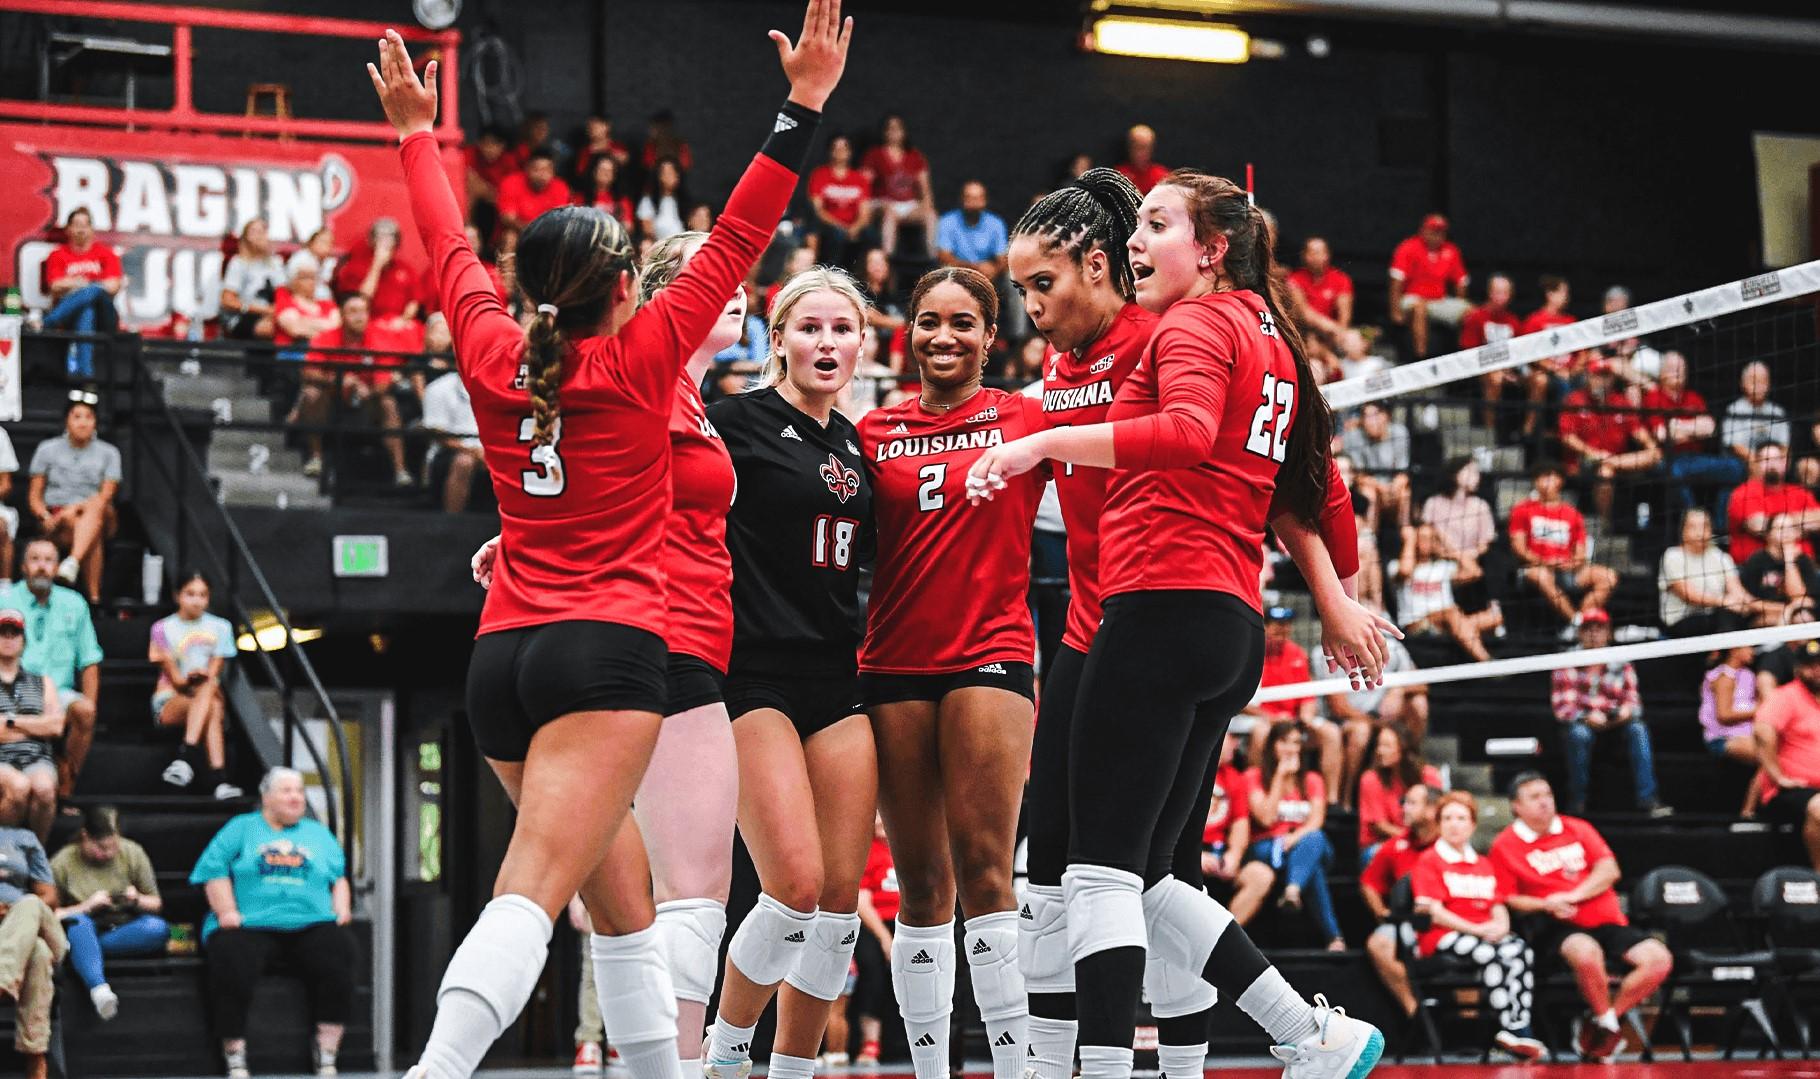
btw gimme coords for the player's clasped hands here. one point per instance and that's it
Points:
(996, 467)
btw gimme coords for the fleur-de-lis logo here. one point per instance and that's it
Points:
(843, 481)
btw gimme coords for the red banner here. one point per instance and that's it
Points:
(167, 201)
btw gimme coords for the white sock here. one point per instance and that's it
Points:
(922, 975)
(1182, 1061)
(651, 1060)
(464, 1030)
(1105, 1062)
(1052, 1047)
(1274, 1005)
(788, 1067)
(728, 1044)
(1608, 1019)
(928, 1047)
(998, 988)
(487, 982)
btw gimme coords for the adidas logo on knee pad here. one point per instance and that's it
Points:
(851, 937)
(1025, 913)
(980, 947)
(921, 957)
(796, 937)
(924, 1042)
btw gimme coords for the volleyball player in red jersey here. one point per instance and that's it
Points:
(1195, 438)
(946, 673)
(566, 687)
(1069, 262)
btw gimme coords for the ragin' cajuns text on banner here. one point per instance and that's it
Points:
(166, 202)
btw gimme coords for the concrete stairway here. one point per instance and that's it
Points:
(249, 467)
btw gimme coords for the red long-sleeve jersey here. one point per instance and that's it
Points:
(583, 520)
(698, 571)
(950, 581)
(1200, 429)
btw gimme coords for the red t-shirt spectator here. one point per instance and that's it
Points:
(1467, 885)
(1540, 865)
(895, 181)
(1426, 271)
(1794, 715)
(1284, 666)
(1293, 809)
(1752, 498)
(1392, 863)
(285, 300)
(1661, 406)
(584, 161)
(1543, 319)
(1231, 798)
(1143, 178)
(1380, 803)
(398, 283)
(99, 263)
(390, 340)
(618, 206)
(1484, 325)
(678, 149)
(1322, 293)
(517, 200)
(1554, 532)
(493, 172)
(880, 880)
(842, 197)
(1609, 429)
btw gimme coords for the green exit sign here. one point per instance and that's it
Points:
(361, 556)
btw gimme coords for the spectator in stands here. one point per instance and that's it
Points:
(1466, 899)
(1601, 699)
(1605, 436)
(1636, 365)
(1425, 596)
(1493, 323)
(1140, 165)
(525, 195)
(973, 235)
(1226, 837)
(899, 175)
(455, 459)
(1776, 663)
(841, 198)
(1462, 521)
(299, 314)
(879, 282)
(321, 248)
(1379, 450)
(660, 211)
(32, 944)
(1781, 572)
(190, 647)
(600, 189)
(1753, 421)
(1765, 496)
(358, 390)
(108, 902)
(598, 142)
(1680, 420)
(590, 1033)
(535, 134)
(1286, 664)
(1548, 537)
(1728, 708)
(1394, 860)
(74, 478)
(375, 270)
(83, 277)
(1556, 294)
(1355, 360)
(9, 517)
(277, 886)
(1288, 810)
(1564, 876)
(1701, 590)
(60, 644)
(700, 218)
(34, 719)
(1396, 766)
(249, 284)
(1322, 291)
(663, 140)
(1427, 281)
(1788, 749)
(490, 159)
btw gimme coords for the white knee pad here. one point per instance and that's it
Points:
(1042, 941)
(998, 986)
(1174, 992)
(502, 957)
(1184, 924)
(1105, 909)
(821, 969)
(922, 971)
(766, 944)
(690, 930)
(632, 977)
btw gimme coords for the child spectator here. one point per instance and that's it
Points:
(1728, 710)
(1322, 291)
(190, 647)
(1548, 537)
(1427, 281)
(109, 902)
(1288, 810)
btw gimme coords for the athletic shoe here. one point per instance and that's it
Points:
(227, 792)
(1594, 1042)
(1344, 1047)
(68, 570)
(402, 479)
(179, 773)
(325, 1062)
(615, 1063)
(236, 1065)
(313, 467)
(1520, 1046)
(588, 1060)
(722, 1069)
(105, 1000)
(836, 1060)
(868, 1056)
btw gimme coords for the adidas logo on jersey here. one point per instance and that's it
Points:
(993, 668)
(851, 448)
(925, 1042)
(900, 429)
(851, 937)
(990, 412)
(1003, 1039)
(789, 431)
(921, 957)
(980, 947)
(784, 123)
(796, 937)
(1102, 365)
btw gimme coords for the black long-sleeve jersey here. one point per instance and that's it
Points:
(800, 527)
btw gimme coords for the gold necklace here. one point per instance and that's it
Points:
(926, 403)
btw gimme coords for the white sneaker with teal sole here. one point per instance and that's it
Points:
(721, 1069)
(1344, 1048)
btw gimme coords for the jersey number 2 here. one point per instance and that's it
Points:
(548, 479)
(1270, 436)
(929, 492)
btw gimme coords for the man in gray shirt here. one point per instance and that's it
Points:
(1379, 450)
(74, 479)
(1753, 420)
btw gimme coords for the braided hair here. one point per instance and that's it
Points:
(569, 258)
(1098, 210)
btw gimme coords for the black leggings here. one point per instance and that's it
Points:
(323, 955)
(1167, 673)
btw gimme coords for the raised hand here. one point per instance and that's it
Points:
(815, 62)
(409, 104)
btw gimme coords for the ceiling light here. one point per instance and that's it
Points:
(268, 636)
(1168, 39)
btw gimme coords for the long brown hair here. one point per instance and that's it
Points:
(1220, 207)
(569, 258)
(1267, 760)
(1408, 770)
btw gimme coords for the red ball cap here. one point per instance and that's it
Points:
(1434, 221)
(1595, 615)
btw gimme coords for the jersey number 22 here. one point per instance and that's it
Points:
(1270, 433)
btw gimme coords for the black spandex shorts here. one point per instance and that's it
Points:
(1545, 935)
(521, 679)
(814, 701)
(1789, 806)
(691, 682)
(1019, 678)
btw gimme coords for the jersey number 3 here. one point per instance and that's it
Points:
(1271, 422)
(548, 479)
